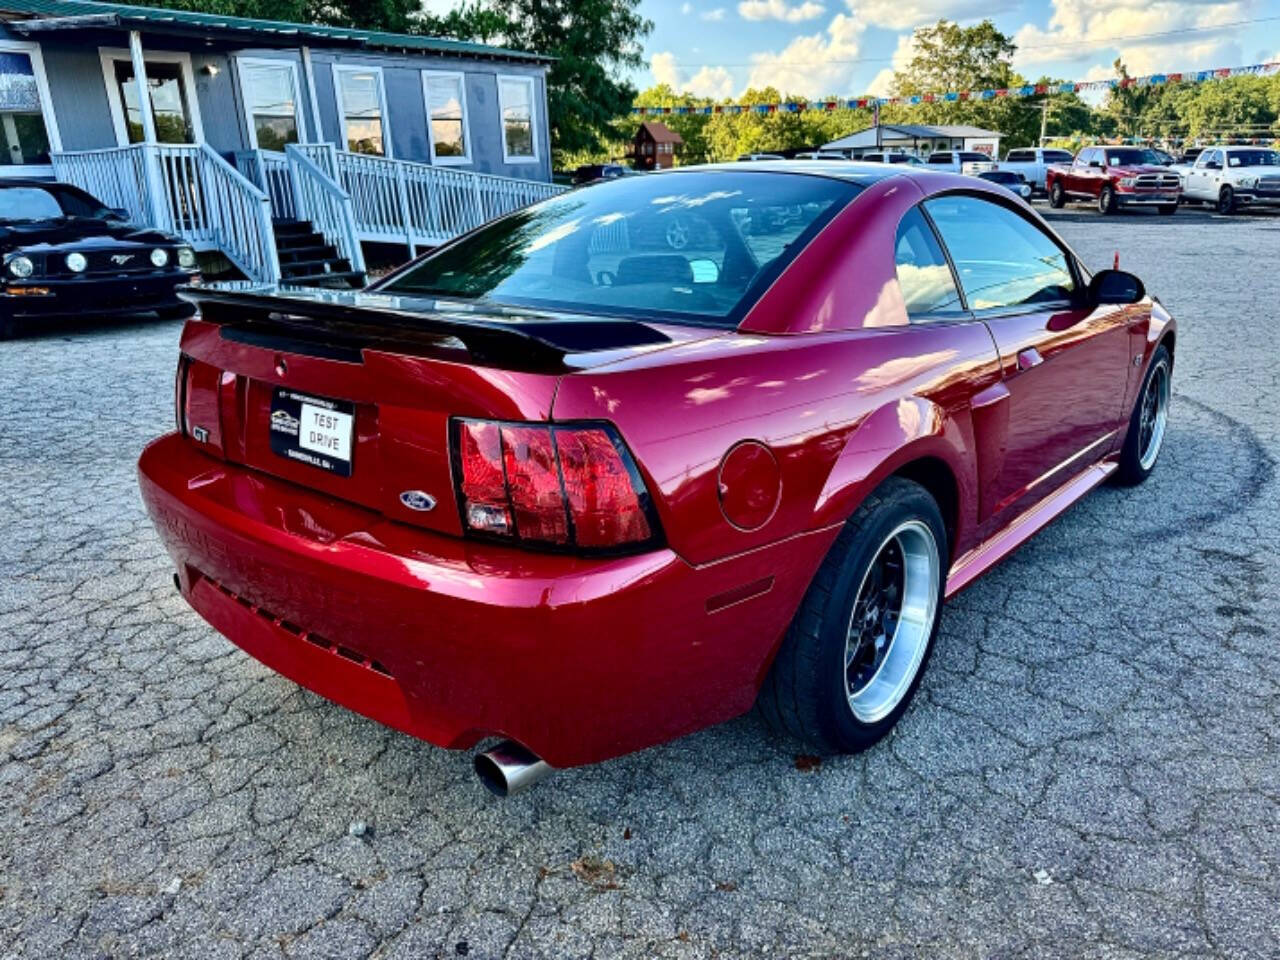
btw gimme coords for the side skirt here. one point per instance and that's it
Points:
(990, 552)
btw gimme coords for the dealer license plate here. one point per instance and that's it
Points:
(312, 430)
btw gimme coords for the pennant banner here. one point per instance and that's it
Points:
(952, 96)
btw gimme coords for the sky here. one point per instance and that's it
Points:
(849, 47)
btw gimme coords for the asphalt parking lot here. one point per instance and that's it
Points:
(1093, 767)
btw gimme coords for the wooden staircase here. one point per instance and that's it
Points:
(308, 260)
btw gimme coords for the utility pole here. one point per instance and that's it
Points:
(1044, 119)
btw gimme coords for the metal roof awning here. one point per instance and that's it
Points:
(34, 18)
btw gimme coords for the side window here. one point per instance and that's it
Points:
(1003, 260)
(923, 272)
(1057, 156)
(1018, 156)
(940, 158)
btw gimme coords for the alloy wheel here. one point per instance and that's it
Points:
(1153, 416)
(892, 621)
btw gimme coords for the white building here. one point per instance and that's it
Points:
(917, 139)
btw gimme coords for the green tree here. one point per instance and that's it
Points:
(397, 16)
(594, 43)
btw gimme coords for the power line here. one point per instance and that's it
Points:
(1100, 43)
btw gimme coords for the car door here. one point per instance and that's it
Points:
(1198, 179)
(1077, 178)
(1064, 364)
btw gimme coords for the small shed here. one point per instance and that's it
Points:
(654, 146)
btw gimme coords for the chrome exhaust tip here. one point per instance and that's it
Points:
(509, 768)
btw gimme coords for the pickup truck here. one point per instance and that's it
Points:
(1033, 163)
(1232, 177)
(1115, 178)
(960, 161)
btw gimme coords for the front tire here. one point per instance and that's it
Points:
(179, 311)
(1226, 201)
(1107, 201)
(1057, 197)
(858, 647)
(1147, 423)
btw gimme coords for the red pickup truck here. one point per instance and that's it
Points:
(1113, 178)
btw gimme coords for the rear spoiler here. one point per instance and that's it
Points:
(350, 318)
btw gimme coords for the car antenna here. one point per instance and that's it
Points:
(1115, 262)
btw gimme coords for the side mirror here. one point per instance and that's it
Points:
(118, 213)
(704, 271)
(1095, 163)
(1115, 287)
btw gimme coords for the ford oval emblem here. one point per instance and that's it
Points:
(417, 500)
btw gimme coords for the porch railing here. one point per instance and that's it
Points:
(268, 170)
(400, 201)
(328, 206)
(188, 189)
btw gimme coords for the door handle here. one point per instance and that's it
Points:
(1029, 358)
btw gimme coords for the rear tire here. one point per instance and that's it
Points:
(8, 328)
(859, 644)
(1057, 197)
(1107, 201)
(1145, 437)
(1169, 209)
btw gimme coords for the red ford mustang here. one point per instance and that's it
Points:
(625, 463)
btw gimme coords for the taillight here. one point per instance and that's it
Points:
(572, 486)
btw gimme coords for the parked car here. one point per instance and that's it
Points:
(746, 157)
(1115, 178)
(1033, 162)
(1231, 177)
(820, 155)
(538, 486)
(1190, 155)
(591, 172)
(960, 161)
(892, 157)
(1011, 181)
(67, 254)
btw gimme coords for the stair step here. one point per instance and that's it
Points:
(326, 251)
(318, 267)
(291, 241)
(292, 226)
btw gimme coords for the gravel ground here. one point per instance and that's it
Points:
(1091, 768)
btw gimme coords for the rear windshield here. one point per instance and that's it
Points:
(1001, 176)
(1253, 158)
(1132, 157)
(687, 246)
(974, 157)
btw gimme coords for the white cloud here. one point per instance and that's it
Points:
(1078, 30)
(814, 65)
(716, 82)
(686, 8)
(780, 10)
(907, 14)
(882, 84)
(712, 16)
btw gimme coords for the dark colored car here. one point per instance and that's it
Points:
(1015, 183)
(593, 172)
(67, 254)
(543, 485)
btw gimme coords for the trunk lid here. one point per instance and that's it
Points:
(386, 374)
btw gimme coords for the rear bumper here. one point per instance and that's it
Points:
(451, 641)
(93, 296)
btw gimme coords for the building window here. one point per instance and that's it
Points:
(22, 123)
(362, 109)
(171, 88)
(516, 103)
(446, 99)
(271, 103)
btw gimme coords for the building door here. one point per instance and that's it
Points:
(171, 87)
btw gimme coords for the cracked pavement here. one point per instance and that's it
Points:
(1092, 766)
